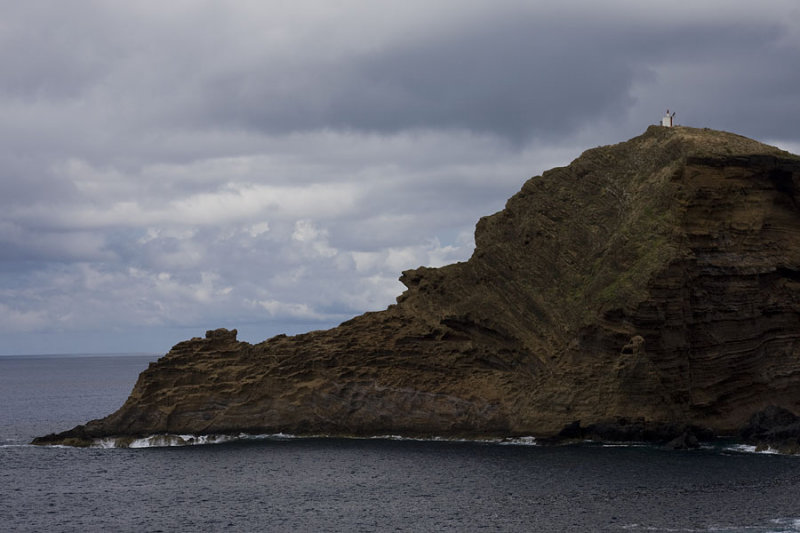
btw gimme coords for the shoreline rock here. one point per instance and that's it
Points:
(773, 428)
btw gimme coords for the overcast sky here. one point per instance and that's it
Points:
(172, 167)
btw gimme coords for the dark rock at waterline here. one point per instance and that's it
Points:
(774, 427)
(685, 441)
(571, 431)
(648, 287)
(673, 436)
(772, 422)
(77, 437)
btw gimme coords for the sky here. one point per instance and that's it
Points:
(273, 166)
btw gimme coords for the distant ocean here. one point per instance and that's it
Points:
(300, 484)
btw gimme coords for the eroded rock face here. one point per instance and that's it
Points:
(655, 280)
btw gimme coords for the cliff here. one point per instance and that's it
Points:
(649, 286)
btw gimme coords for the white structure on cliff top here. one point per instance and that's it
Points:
(667, 120)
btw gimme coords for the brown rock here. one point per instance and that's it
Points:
(655, 280)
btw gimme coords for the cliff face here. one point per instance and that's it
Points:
(655, 280)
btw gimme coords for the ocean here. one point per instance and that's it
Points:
(280, 483)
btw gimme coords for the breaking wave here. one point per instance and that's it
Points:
(162, 441)
(168, 440)
(511, 441)
(776, 525)
(749, 448)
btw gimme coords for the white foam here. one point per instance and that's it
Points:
(519, 441)
(749, 448)
(779, 525)
(785, 525)
(169, 440)
(510, 441)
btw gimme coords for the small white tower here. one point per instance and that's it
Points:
(667, 120)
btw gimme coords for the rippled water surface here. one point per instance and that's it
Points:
(355, 485)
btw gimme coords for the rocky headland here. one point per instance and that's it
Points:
(648, 291)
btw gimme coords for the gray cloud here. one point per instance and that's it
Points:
(517, 78)
(167, 168)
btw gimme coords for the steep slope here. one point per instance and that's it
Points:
(656, 280)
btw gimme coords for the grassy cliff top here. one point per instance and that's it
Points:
(706, 142)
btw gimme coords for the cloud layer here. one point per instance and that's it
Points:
(169, 168)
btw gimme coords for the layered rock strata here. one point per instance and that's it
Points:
(655, 281)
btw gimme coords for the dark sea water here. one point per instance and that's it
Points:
(284, 484)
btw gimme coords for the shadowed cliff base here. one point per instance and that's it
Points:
(654, 281)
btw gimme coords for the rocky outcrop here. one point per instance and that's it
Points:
(773, 428)
(672, 435)
(655, 281)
